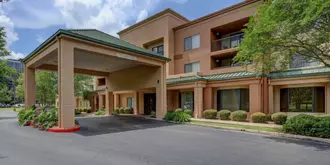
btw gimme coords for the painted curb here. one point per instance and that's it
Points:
(64, 130)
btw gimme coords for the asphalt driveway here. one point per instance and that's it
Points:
(128, 141)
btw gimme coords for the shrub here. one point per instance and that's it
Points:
(121, 110)
(269, 117)
(100, 112)
(128, 110)
(89, 110)
(258, 117)
(224, 114)
(322, 127)
(210, 114)
(239, 115)
(47, 119)
(25, 117)
(116, 111)
(188, 112)
(279, 118)
(77, 111)
(169, 116)
(178, 109)
(180, 117)
(153, 114)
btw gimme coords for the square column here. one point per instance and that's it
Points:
(29, 87)
(208, 98)
(270, 99)
(66, 85)
(161, 99)
(141, 103)
(327, 97)
(108, 102)
(101, 103)
(198, 102)
(136, 103)
(116, 100)
(255, 98)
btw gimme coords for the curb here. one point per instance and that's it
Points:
(64, 130)
(300, 137)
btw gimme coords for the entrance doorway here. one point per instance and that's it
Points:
(149, 103)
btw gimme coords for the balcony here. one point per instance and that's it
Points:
(227, 42)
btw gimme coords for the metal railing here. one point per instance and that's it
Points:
(227, 42)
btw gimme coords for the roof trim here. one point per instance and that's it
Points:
(168, 10)
(86, 38)
(217, 13)
(315, 71)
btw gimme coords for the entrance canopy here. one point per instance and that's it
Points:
(125, 67)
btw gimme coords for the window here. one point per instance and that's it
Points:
(130, 102)
(225, 61)
(192, 67)
(192, 42)
(187, 100)
(158, 49)
(306, 99)
(299, 61)
(233, 99)
(100, 81)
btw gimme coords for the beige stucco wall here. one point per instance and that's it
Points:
(123, 98)
(203, 54)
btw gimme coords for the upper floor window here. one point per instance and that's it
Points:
(100, 81)
(158, 49)
(299, 61)
(192, 67)
(227, 41)
(192, 42)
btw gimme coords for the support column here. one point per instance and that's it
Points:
(116, 100)
(161, 93)
(255, 98)
(108, 102)
(136, 103)
(327, 97)
(208, 98)
(270, 99)
(29, 87)
(277, 99)
(66, 85)
(101, 103)
(141, 103)
(198, 102)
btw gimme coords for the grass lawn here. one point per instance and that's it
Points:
(236, 126)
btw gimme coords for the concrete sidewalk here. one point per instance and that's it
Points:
(7, 114)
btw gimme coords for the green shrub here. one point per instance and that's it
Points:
(47, 119)
(121, 110)
(169, 116)
(210, 114)
(77, 111)
(180, 117)
(188, 112)
(224, 114)
(89, 110)
(153, 114)
(239, 115)
(25, 117)
(115, 111)
(100, 112)
(279, 118)
(179, 109)
(128, 110)
(308, 125)
(258, 117)
(269, 117)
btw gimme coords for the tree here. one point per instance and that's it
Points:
(283, 28)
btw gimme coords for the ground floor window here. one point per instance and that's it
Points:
(187, 100)
(305, 99)
(130, 101)
(233, 99)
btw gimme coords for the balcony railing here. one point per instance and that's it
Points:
(227, 42)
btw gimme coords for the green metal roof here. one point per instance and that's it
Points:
(300, 72)
(214, 77)
(100, 37)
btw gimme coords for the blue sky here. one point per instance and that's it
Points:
(29, 22)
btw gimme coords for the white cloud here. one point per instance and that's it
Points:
(15, 55)
(6, 22)
(142, 15)
(40, 39)
(179, 1)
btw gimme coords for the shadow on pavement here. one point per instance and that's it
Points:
(319, 146)
(91, 126)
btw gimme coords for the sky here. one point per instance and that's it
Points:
(30, 22)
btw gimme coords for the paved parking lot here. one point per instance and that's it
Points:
(127, 140)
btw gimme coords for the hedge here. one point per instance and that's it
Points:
(177, 117)
(224, 114)
(308, 125)
(210, 114)
(239, 115)
(259, 117)
(279, 118)
(188, 112)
